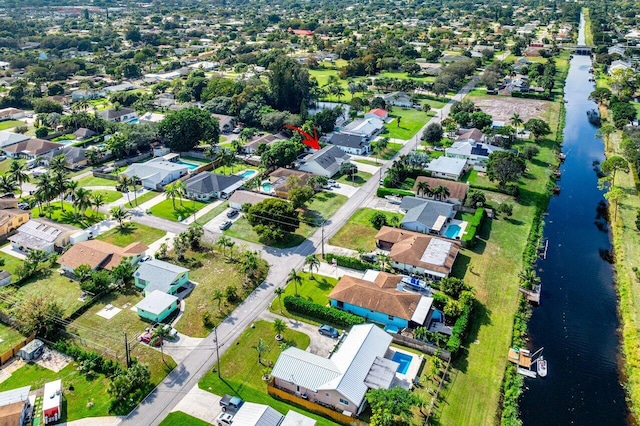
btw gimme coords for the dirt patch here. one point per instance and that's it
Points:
(503, 108)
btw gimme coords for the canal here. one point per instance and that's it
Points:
(576, 322)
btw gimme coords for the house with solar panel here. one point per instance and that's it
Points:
(470, 146)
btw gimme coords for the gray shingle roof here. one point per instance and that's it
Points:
(206, 183)
(424, 211)
(327, 158)
(349, 141)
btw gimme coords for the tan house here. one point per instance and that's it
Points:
(278, 179)
(416, 253)
(12, 219)
(32, 148)
(457, 190)
(100, 255)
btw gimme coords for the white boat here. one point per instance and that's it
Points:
(542, 367)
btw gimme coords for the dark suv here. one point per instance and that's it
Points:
(232, 213)
(231, 403)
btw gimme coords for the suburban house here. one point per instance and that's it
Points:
(619, 65)
(11, 219)
(42, 234)
(415, 253)
(74, 157)
(15, 406)
(342, 381)
(10, 138)
(52, 401)
(268, 140)
(469, 146)
(457, 190)
(157, 172)
(425, 216)
(122, 87)
(401, 99)
(351, 144)
(241, 197)
(122, 115)
(447, 167)
(376, 297)
(32, 148)
(379, 113)
(227, 122)
(85, 94)
(325, 162)
(156, 274)
(206, 186)
(157, 306)
(83, 133)
(364, 127)
(252, 414)
(100, 255)
(11, 114)
(278, 180)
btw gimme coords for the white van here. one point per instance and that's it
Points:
(31, 163)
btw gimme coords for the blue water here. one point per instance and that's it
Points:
(404, 360)
(267, 187)
(191, 166)
(452, 231)
(391, 329)
(133, 121)
(247, 174)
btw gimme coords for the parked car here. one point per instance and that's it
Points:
(327, 330)
(231, 404)
(3, 157)
(23, 206)
(224, 419)
(225, 225)
(145, 259)
(237, 130)
(331, 182)
(232, 213)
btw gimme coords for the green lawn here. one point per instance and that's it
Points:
(109, 196)
(368, 162)
(203, 219)
(4, 125)
(636, 105)
(357, 180)
(10, 337)
(96, 181)
(57, 213)
(142, 199)
(131, 233)
(178, 418)
(68, 137)
(391, 151)
(411, 121)
(11, 263)
(235, 169)
(89, 398)
(242, 374)
(316, 290)
(54, 286)
(6, 164)
(358, 232)
(183, 209)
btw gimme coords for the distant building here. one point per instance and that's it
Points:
(100, 255)
(42, 234)
(122, 115)
(447, 167)
(157, 172)
(32, 148)
(325, 162)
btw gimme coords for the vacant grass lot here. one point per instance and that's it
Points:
(6, 164)
(9, 124)
(178, 418)
(96, 181)
(358, 232)
(89, 398)
(242, 374)
(53, 286)
(357, 180)
(141, 199)
(315, 289)
(65, 214)
(132, 232)
(109, 196)
(10, 337)
(183, 209)
(11, 263)
(411, 121)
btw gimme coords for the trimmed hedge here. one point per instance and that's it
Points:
(322, 313)
(350, 262)
(460, 329)
(382, 192)
(108, 367)
(474, 224)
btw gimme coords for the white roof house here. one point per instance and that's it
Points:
(342, 380)
(156, 172)
(325, 162)
(475, 152)
(252, 414)
(156, 302)
(365, 127)
(9, 138)
(447, 167)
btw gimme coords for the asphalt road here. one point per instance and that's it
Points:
(157, 405)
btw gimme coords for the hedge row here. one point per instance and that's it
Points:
(460, 329)
(528, 95)
(474, 224)
(322, 313)
(108, 367)
(382, 192)
(350, 262)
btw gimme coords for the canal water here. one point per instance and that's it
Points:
(576, 322)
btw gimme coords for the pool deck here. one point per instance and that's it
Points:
(406, 380)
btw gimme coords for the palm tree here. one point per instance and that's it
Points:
(516, 120)
(120, 214)
(97, 200)
(71, 189)
(261, 348)
(422, 188)
(58, 163)
(60, 182)
(279, 327)
(312, 262)
(223, 242)
(249, 263)
(384, 260)
(125, 182)
(279, 291)
(134, 184)
(7, 184)
(442, 192)
(46, 188)
(171, 191)
(295, 278)
(528, 278)
(218, 295)
(18, 173)
(236, 145)
(181, 189)
(82, 200)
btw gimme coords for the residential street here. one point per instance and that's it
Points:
(186, 375)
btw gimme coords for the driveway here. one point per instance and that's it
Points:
(214, 224)
(182, 346)
(8, 249)
(343, 189)
(200, 404)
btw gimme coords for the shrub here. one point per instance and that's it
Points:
(350, 262)
(98, 363)
(474, 224)
(322, 313)
(460, 327)
(382, 192)
(378, 220)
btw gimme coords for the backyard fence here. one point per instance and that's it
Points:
(424, 347)
(8, 355)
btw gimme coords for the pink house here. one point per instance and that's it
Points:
(377, 113)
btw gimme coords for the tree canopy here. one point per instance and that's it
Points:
(273, 218)
(288, 83)
(505, 166)
(183, 129)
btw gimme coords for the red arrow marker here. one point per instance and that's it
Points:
(307, 139)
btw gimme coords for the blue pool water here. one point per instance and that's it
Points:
(391, 329)
(191, 166)
(247, 174)
(452, 231)
(404, 360)
(267, 187)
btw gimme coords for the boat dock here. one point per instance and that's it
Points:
(532, 296)
(524, 360)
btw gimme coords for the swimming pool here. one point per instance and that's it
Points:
(404, 360)
(247, 174)
(452, 231)
(267, 187)
(191, 166)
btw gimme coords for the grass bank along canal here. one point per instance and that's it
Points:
(577, 322)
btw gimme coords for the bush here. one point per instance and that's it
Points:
(350, 262)
(461, 326)
(382, 192)
(378, 220)
(99, 364)
(474, 224)
(322, 313)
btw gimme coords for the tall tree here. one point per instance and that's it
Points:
(614, 164)
(505, 166)
(311, 262)
(183, 129)
(288, 84)
(294, 278)
(17, 171)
